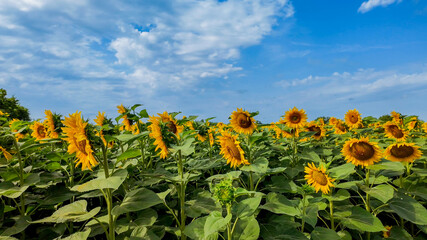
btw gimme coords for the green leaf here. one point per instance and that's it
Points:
(246, 207)
(136, 200)
(281, 228)
(397, 233)
(409, 209)
(362, 220)
(258, 166)
(279, 204)
(74, 212)
(142, 233)
(186, 149)
(342, 171)
(9, 190)
(127, 137)
(203, 204)
(20, 225)
(282, 184)
(195, 230)
(340, 195)
(246, 229)
(113, 182)
(311, 214)
(130, 153)
(215, 222)
(143, 113)
(381, 192)
(312, 155)
(78, 235)
(320, 233)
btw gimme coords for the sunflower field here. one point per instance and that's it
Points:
(167, 176)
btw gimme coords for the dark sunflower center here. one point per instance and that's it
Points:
(295, 118)
(172, 127)
(402, 151)
(41, 132)
(244, 121)
(81, 145)
(362, 151)
(395, 131)
(233, 151)
(320, 178)
(315, 129)
(340, 127)
(353, 118)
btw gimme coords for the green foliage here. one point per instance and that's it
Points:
(12, 107)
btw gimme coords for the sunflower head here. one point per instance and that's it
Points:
(171, 124)
(39, 131)
(224, 192)
(317, 177)
(361, 152)
(78, 142)
(315, 127)
(155, 129)
(402, 152)
(340, 127)
(353, 119)
(424, 126)
(242, 122)
(396, 118)
(386, 234)
(295, 118)
(100, 119)
(392, 130)
(121, 109)
(231, 150)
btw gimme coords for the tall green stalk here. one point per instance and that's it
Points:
(21, 175)
(108, 197)
(181, 195)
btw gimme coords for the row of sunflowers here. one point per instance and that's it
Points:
(169, 177)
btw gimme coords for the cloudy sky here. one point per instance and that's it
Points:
(209, 57)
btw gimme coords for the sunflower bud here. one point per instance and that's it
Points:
(224, 192)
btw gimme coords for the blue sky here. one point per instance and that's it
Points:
(209, 57)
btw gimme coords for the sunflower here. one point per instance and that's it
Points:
(315, 127)
(332, 121)
(6, 154)
(411, 125)
(50, 123)
(295, 118)
(242, 122)
(156, 133)
(339, 127)
(402, 152)
(392, 130)
(317, 177)
(396, 118)
(121, 109)
(100, 120)
(127, 123)
(171, 123)
(386, 234)
(353, 119)
(74, 130)
(231, 150)
(361, 152)
(424, 126)
(39, 131)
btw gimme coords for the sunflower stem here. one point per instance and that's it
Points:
(367, 194)
(21, 174)
(108, 197)
(182, 196)
(229, 233)
(303, 212)
(331, 213)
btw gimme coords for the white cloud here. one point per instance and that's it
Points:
(370, 4)
(360, 83)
